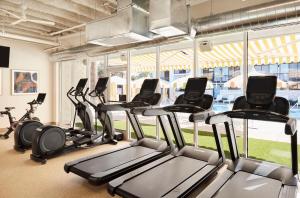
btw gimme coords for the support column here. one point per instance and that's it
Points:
(157, 75)
(195, 74)
(128, 91)
(245, 80)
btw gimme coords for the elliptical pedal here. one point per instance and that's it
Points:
(82, 141)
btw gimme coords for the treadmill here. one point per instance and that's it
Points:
(249, 178)
(177, 174)
(103, 167)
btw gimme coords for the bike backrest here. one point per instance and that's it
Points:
(194, 94)
(147, 93)
(261, 95)
(80, 86)
(101, 85)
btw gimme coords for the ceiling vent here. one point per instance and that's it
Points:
(129, 25)
(205, 46)
(169, 17)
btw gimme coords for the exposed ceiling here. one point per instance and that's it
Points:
(70, 16)
(64, 14)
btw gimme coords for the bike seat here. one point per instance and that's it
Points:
(9, 108)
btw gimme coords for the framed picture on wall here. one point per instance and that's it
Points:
(24, 82)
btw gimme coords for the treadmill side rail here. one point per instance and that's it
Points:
(101, 177)
(69, 165)
(288, 192)
(186, 187)
(215, 185)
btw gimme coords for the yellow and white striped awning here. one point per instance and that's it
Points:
(279, 49)
(227, 54)
(169, 60)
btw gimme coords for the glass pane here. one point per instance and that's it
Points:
(222, 65)
(97, 70)
(66, 108)
(143, 66)
(71, 73)
(277, 55)
(117, 73)
(176, 64)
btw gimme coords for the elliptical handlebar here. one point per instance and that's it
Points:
(93, 95)
(100, 95)
(84, 95)
(86, 100)
(70, 93)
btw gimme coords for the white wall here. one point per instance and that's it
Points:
(27, 56)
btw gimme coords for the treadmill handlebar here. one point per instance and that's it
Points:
(124, 106)
(290, 123)
(291, 127)
(138, 110)
(135, 104)
(197, 117)
(112, 107)
(184, 108)
(179, 108)
(159, 111)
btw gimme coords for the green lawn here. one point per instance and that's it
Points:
(271, 151)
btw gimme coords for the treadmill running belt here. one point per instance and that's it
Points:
(159, 180)
(114, 159)
(248, 185)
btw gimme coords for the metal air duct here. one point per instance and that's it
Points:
(169, 17)
(129, 25)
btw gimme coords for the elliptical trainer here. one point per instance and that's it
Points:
(109, 134)
(27, 116)
(49, 141)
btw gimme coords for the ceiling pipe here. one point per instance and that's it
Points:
(267, 15)
(93, 50)
(28, 39)
(246, 18)
(52, 48)
(68, 29)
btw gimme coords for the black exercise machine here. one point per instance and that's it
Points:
(249, 178)
(177, 174)
(109, 134)
(27, 116)
(49, 141)
(103, 167)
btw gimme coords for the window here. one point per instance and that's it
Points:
(117, 73)
(222, 66)
(267, 141)
(97, 70)
(143, 66)
(71, 72)
(176, 64)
